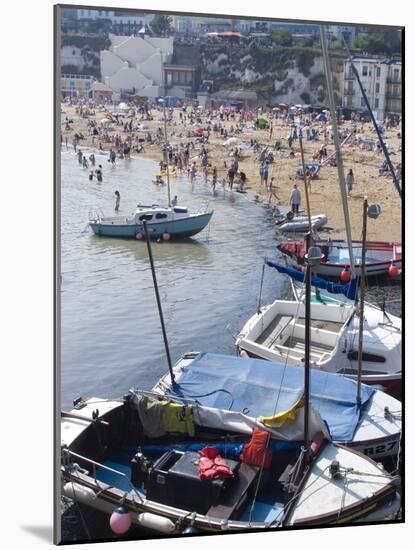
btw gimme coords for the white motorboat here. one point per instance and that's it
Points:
(277, 333)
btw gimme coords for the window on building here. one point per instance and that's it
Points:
(378, 72)
(396, 74)
(364, 70)
(395, 91)
(376, 103)
(377, 88)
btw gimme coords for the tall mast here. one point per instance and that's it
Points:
(166, 155)
(156, 290)
(382, 143)
(307, 347)
(339, 159)
(305, 182)
(361, 306)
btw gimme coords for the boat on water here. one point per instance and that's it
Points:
(163, 222)
(277, 333)
(380, 256)
(143, 453)
(300, 224)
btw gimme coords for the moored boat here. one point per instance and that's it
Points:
(129, 453)
(277, 333)
(162, 222)
(300, 224)
(380, 256)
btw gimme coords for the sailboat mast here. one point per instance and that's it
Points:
(156, 290)
(337, 145)
(166, 152)
(361, 305)
(307, 347)
(305, 183)
(375, 125)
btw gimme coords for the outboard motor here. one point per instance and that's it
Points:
(140, 467)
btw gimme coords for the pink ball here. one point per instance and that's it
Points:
(120, 520)
(139, 236)
(166, 236)
(393, 271)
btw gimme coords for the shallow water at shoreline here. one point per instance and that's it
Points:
(111, 336)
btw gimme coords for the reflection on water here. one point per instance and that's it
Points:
(111, 336)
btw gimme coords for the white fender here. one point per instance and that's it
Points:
(156, 523)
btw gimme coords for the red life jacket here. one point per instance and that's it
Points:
(255, 451)
(212, 465)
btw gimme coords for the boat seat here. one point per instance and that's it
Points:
(232, 500)
(273, 330)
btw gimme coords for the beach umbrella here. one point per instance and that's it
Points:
(276, 109)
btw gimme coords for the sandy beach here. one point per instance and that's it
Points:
(325, 192)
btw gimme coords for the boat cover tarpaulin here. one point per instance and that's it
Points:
(349, 289)
(256, 388)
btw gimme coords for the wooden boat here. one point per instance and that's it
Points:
(110, 459)
(166, 222)
(379, 256)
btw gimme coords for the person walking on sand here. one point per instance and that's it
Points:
(84, 162)
(272, 191)
(80, 155)
(265, 173)
(117, 200)
(214, 177)
(174, 201)
(92, 159)
(350, 181)
(295, 200)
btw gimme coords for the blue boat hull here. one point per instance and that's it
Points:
(181, 228)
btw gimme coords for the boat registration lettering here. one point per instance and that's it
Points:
(380, 449)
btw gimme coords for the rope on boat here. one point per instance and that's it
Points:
(260, 288)
(278, 522)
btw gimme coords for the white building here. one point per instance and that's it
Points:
(136, 64)
(381, 79)
(115, 16)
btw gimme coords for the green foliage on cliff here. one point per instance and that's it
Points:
(383, 42)
(81, 41)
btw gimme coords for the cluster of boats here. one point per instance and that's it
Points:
(296, 429)
(324, 400)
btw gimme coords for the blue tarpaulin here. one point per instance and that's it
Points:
(262, 388)
(349, 289)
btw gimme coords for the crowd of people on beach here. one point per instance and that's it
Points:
(187, 149)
